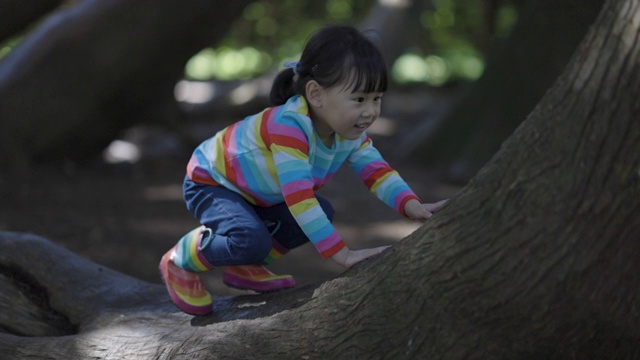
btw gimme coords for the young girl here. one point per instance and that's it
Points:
(253, 185)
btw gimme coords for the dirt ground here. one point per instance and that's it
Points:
(126, 216)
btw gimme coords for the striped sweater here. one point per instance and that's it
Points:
(275, 156)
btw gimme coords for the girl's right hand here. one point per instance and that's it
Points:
(348, 258)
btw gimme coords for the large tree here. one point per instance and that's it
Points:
(95, 68)
(519, 71)
(537, 257)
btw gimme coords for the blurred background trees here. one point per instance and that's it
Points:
(76, 75)
(518, 73)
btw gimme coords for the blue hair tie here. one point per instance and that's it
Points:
(292, 64)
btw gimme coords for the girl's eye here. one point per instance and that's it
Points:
(377, 99)
(359, 99)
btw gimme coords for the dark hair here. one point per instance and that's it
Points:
(332, 55)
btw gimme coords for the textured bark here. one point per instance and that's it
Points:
(518, 74)
(537, 257)
(95, 68)
(56, 304)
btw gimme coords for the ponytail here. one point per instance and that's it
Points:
(282, 88)
(333, 55)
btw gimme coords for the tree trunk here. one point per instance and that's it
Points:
(517, 75)
(398, 23)
(95, 68)
(537, 257)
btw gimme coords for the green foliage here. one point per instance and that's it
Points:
(453, 48)
(507, 17)
(454, 63)
(271, 32)
(7, 46)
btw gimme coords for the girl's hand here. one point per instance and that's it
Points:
(417, 211)
(348, 258)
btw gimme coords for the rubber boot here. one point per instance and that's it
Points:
(179, 269)
(256, 277)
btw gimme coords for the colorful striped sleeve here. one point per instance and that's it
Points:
(379, 177)
(290, 146)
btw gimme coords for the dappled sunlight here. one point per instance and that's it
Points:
(201, 92)
(226, 63)
(120, 151)
(395, 3)
(99, 343)
(437, 70)
(194, 92)
(244, 93)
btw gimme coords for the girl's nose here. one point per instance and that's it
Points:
(369, 111)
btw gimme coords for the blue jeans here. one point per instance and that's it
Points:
(243, 233)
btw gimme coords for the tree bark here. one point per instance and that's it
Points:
(94, 69)
(518, 74)
(537, 257)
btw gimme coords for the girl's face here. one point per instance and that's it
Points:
(338, 109)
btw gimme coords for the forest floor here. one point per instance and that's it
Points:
(126, 217)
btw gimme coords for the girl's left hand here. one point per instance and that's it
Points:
(417, 211)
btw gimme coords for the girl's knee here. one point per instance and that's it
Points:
(237, 249)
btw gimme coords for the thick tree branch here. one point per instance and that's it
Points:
(95, 68)
(77, 293)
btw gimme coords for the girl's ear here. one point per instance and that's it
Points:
(314, 93)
